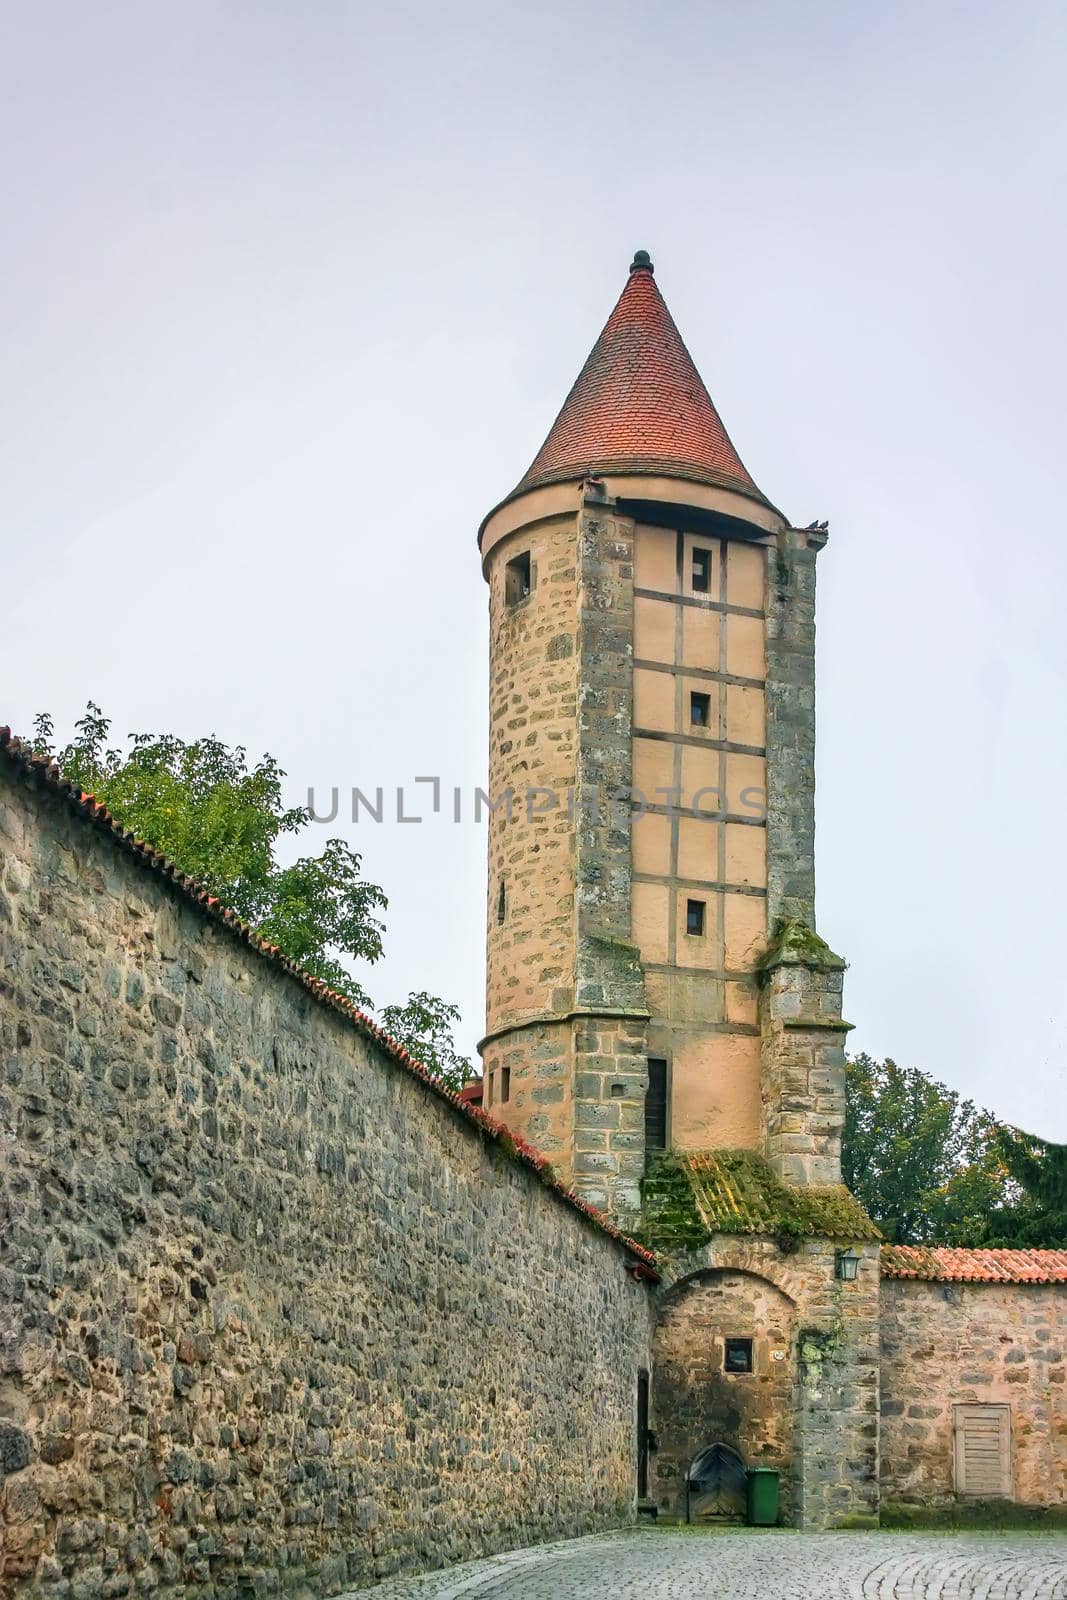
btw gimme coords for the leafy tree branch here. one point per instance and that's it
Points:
(220, 820)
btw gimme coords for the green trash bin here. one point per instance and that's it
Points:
(762, 1497)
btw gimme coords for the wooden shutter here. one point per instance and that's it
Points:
(656, 1106)
(982, 1450)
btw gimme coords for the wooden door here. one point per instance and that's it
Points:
(982, 1451)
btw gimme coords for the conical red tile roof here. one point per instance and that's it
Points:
(639, 405)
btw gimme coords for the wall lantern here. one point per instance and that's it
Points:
(846, 1265)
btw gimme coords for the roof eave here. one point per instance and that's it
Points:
(646, 468)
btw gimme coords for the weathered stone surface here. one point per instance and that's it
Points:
(811, 1410)
(565, 986)
(791, 727)
(698, 1403)
(608, 973)
(946, 1344)
(272, 1316)
(803, 1058)
(530, 914)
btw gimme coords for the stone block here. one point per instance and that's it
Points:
(229, 1186)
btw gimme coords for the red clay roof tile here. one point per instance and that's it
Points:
(943, 1264)
(639, 405)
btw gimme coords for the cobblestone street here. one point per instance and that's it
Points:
(667, 1565)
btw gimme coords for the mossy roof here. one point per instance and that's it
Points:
(688, 1195)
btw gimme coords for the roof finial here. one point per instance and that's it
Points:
(642, 262)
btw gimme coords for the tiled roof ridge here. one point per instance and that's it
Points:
(640, 405)
(975, 1264)
(20, 756)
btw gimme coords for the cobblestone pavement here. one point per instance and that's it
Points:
(669, 1565)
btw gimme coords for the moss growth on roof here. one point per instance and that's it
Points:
(668, 1205)
(689, 1195)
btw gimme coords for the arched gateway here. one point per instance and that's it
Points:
(724, 1374)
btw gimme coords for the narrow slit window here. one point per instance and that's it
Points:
(656, 1106)
(505, 1085)
(488, 1090)
(737, 1356)
(502, 902)
(694, 917)
(701, 574)
(699, 709)
(642, 1435)
(517, 579)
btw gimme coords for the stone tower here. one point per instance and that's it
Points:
(654, 979)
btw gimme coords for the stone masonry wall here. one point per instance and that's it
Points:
(699, 1403)
(791, 726)
(534, 1065)
(532, 723)
(945, 1344)
(803, 1035)
(803, 1077)
(528, 1055)
(825, 1438)
(611, 1072)
(565, 1053)
(273, 1316)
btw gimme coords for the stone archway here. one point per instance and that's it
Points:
(724, 1373)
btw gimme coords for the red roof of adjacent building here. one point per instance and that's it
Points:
(940, 1264)
(639, 405)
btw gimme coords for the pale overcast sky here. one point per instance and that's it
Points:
(293, 293)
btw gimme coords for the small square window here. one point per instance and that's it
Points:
(694, 916)
(700, 710)
(517, 579)
(737, 1357)
(701, 576)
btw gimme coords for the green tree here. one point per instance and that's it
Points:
(923, 1161)
(220, 820)
(425, 1029)
(1035, 1213)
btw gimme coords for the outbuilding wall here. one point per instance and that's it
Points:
(946, 1345)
